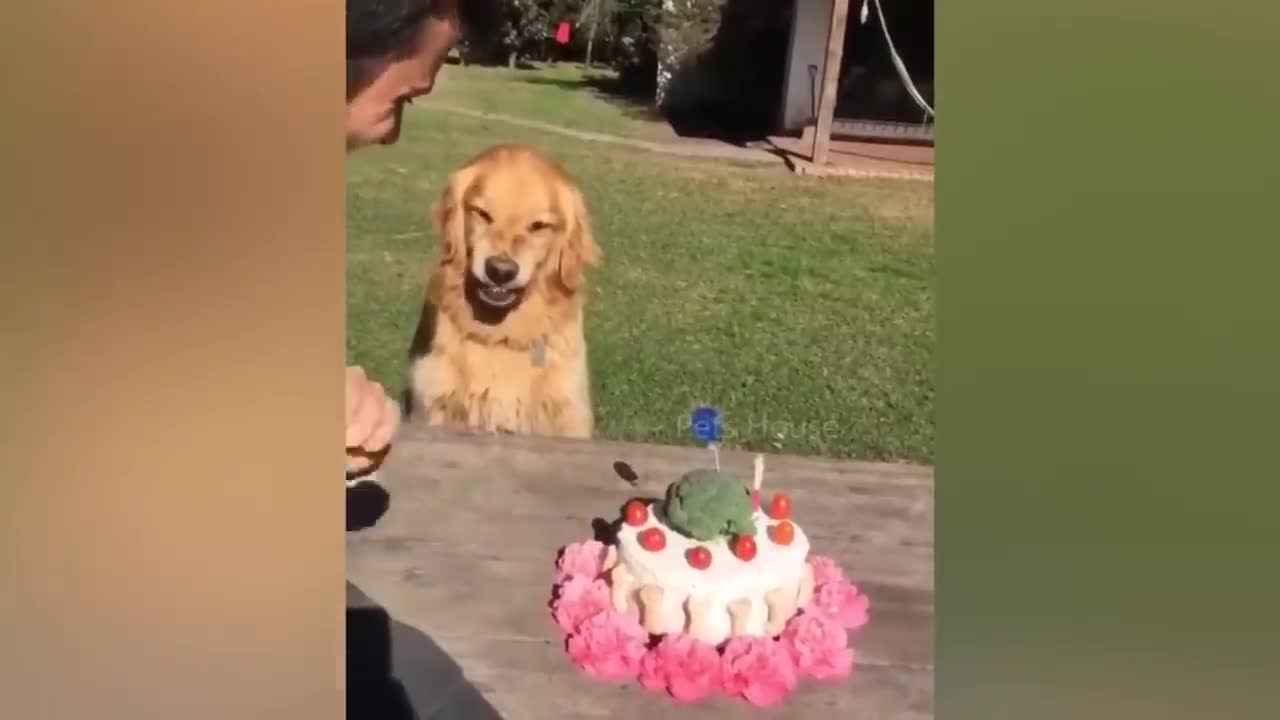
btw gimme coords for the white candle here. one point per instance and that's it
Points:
(759, 472)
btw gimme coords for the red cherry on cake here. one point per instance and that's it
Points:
(780, 507)
(653, 539)
(635, 513)
(698, 557)
(744, 547)
(782, 533)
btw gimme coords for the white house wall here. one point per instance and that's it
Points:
(806, 55)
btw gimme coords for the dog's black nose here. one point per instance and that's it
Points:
(501, 269)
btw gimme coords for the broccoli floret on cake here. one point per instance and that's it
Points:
(706, 504)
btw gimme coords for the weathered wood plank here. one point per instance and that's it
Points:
(553, 472)
(526, 684)
(458, 512)
(465, 554)
(441, 594)
(906, 570)
(830, 80)
(881, 528)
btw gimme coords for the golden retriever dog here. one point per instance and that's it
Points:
(500, 346)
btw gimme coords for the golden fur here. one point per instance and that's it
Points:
(523, 370)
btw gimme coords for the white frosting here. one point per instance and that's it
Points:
(777, 573)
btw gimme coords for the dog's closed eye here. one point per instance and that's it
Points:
(539, 226)
(480, 213)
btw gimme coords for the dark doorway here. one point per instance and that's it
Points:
(872, 99)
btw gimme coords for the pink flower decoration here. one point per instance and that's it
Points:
(608, 646)
(843, 603)
(819, 646)
(611, 646)
(825, 570)
(758, 669)
(578, 600)
(685, 667)
(582, 559)
(653, 671)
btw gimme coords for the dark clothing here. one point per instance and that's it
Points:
(395, 672)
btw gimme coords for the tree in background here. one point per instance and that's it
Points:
(598, 15)
(632, 42)
(524, 30)
(721, 64)
(622, 34)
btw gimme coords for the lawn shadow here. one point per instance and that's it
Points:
(705, 121)
(728, 91)
(635, 103)
(499, 64)
(731, 88)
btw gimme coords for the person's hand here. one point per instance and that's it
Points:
(372, 420)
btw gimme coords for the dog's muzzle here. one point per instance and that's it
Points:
(495, 287)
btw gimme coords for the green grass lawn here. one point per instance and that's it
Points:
(804, 308)
(561, 94)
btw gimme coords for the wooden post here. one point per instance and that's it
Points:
(830, 81)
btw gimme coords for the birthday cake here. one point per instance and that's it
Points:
(711, 588)
(709, 562)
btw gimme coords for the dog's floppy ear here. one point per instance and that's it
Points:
(449, 218)
(579, 248)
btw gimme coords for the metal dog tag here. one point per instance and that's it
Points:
(538, 354)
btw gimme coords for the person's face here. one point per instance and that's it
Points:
(378, 88)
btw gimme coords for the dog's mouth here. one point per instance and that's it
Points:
(486, 295)
(497, 297)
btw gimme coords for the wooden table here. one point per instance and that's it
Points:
(465, 553)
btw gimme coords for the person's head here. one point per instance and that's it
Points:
(394, 50)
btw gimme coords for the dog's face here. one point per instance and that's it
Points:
(512, 221)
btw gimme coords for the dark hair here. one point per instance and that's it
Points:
(379, 27)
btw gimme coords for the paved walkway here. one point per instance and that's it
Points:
(851, 158)
(848, 159)
(684, 148)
